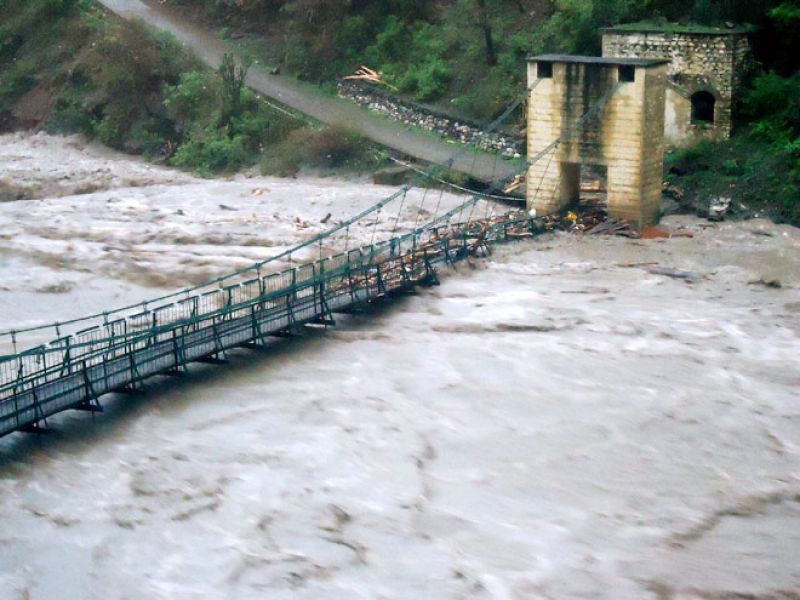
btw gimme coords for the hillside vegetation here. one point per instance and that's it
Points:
(469, 53)
(468, 56)
(68, 66)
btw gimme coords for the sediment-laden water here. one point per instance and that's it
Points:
(560, 420)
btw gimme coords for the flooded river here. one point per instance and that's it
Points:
(560, 420)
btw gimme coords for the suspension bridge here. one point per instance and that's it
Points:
(117, 350)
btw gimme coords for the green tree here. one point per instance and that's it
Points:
(233, 80)
(193, 102)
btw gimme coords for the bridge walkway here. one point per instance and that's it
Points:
(115, 351)
(75, 372)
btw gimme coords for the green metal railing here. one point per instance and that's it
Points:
(73, 372)
(117, 350)
(80, 330)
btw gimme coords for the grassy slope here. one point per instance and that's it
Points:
(79, 64)
(69, 66)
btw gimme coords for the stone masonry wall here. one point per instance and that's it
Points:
(712, 62)
(410, 113)
(691, 55)
(743, 63)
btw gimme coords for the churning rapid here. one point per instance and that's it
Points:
(565, 419)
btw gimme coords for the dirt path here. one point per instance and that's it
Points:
(307, 99)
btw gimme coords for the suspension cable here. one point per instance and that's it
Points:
(399, 212)
(344, 225)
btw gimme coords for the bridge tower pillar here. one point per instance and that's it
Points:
(624, 132)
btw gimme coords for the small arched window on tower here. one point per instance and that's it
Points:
(703, 104)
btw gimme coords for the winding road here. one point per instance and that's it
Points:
(310, 101)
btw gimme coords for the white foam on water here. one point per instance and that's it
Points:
(549, 423)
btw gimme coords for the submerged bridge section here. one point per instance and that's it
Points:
(116, 355)
(116, 351)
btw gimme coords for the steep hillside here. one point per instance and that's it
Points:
(467, 54)
(468, 57)
(68, 66)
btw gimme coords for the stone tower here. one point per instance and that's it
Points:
(625, 135)
(705, 73)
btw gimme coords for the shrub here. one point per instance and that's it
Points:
(773, 104)
(16, 82)
(58, 8)
(490, 95)
(284, 159)
(70, 118)
(10, 42)
(297, 56)
(413, 59)
(192, 99)
(429, 81)
(232, 77)
(731, 167)
(212, 153)
(329, 148)
(761, 177)
(333, 147)
(391, 43)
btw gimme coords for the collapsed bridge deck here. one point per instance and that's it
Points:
(74, 372)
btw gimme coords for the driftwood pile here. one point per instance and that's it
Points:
(621, 228)
(448, 243)
(458, 241)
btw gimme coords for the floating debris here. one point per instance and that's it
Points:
(622, 228)
(769, 283)
(718, 209)
(688, 276)
(654, 233)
